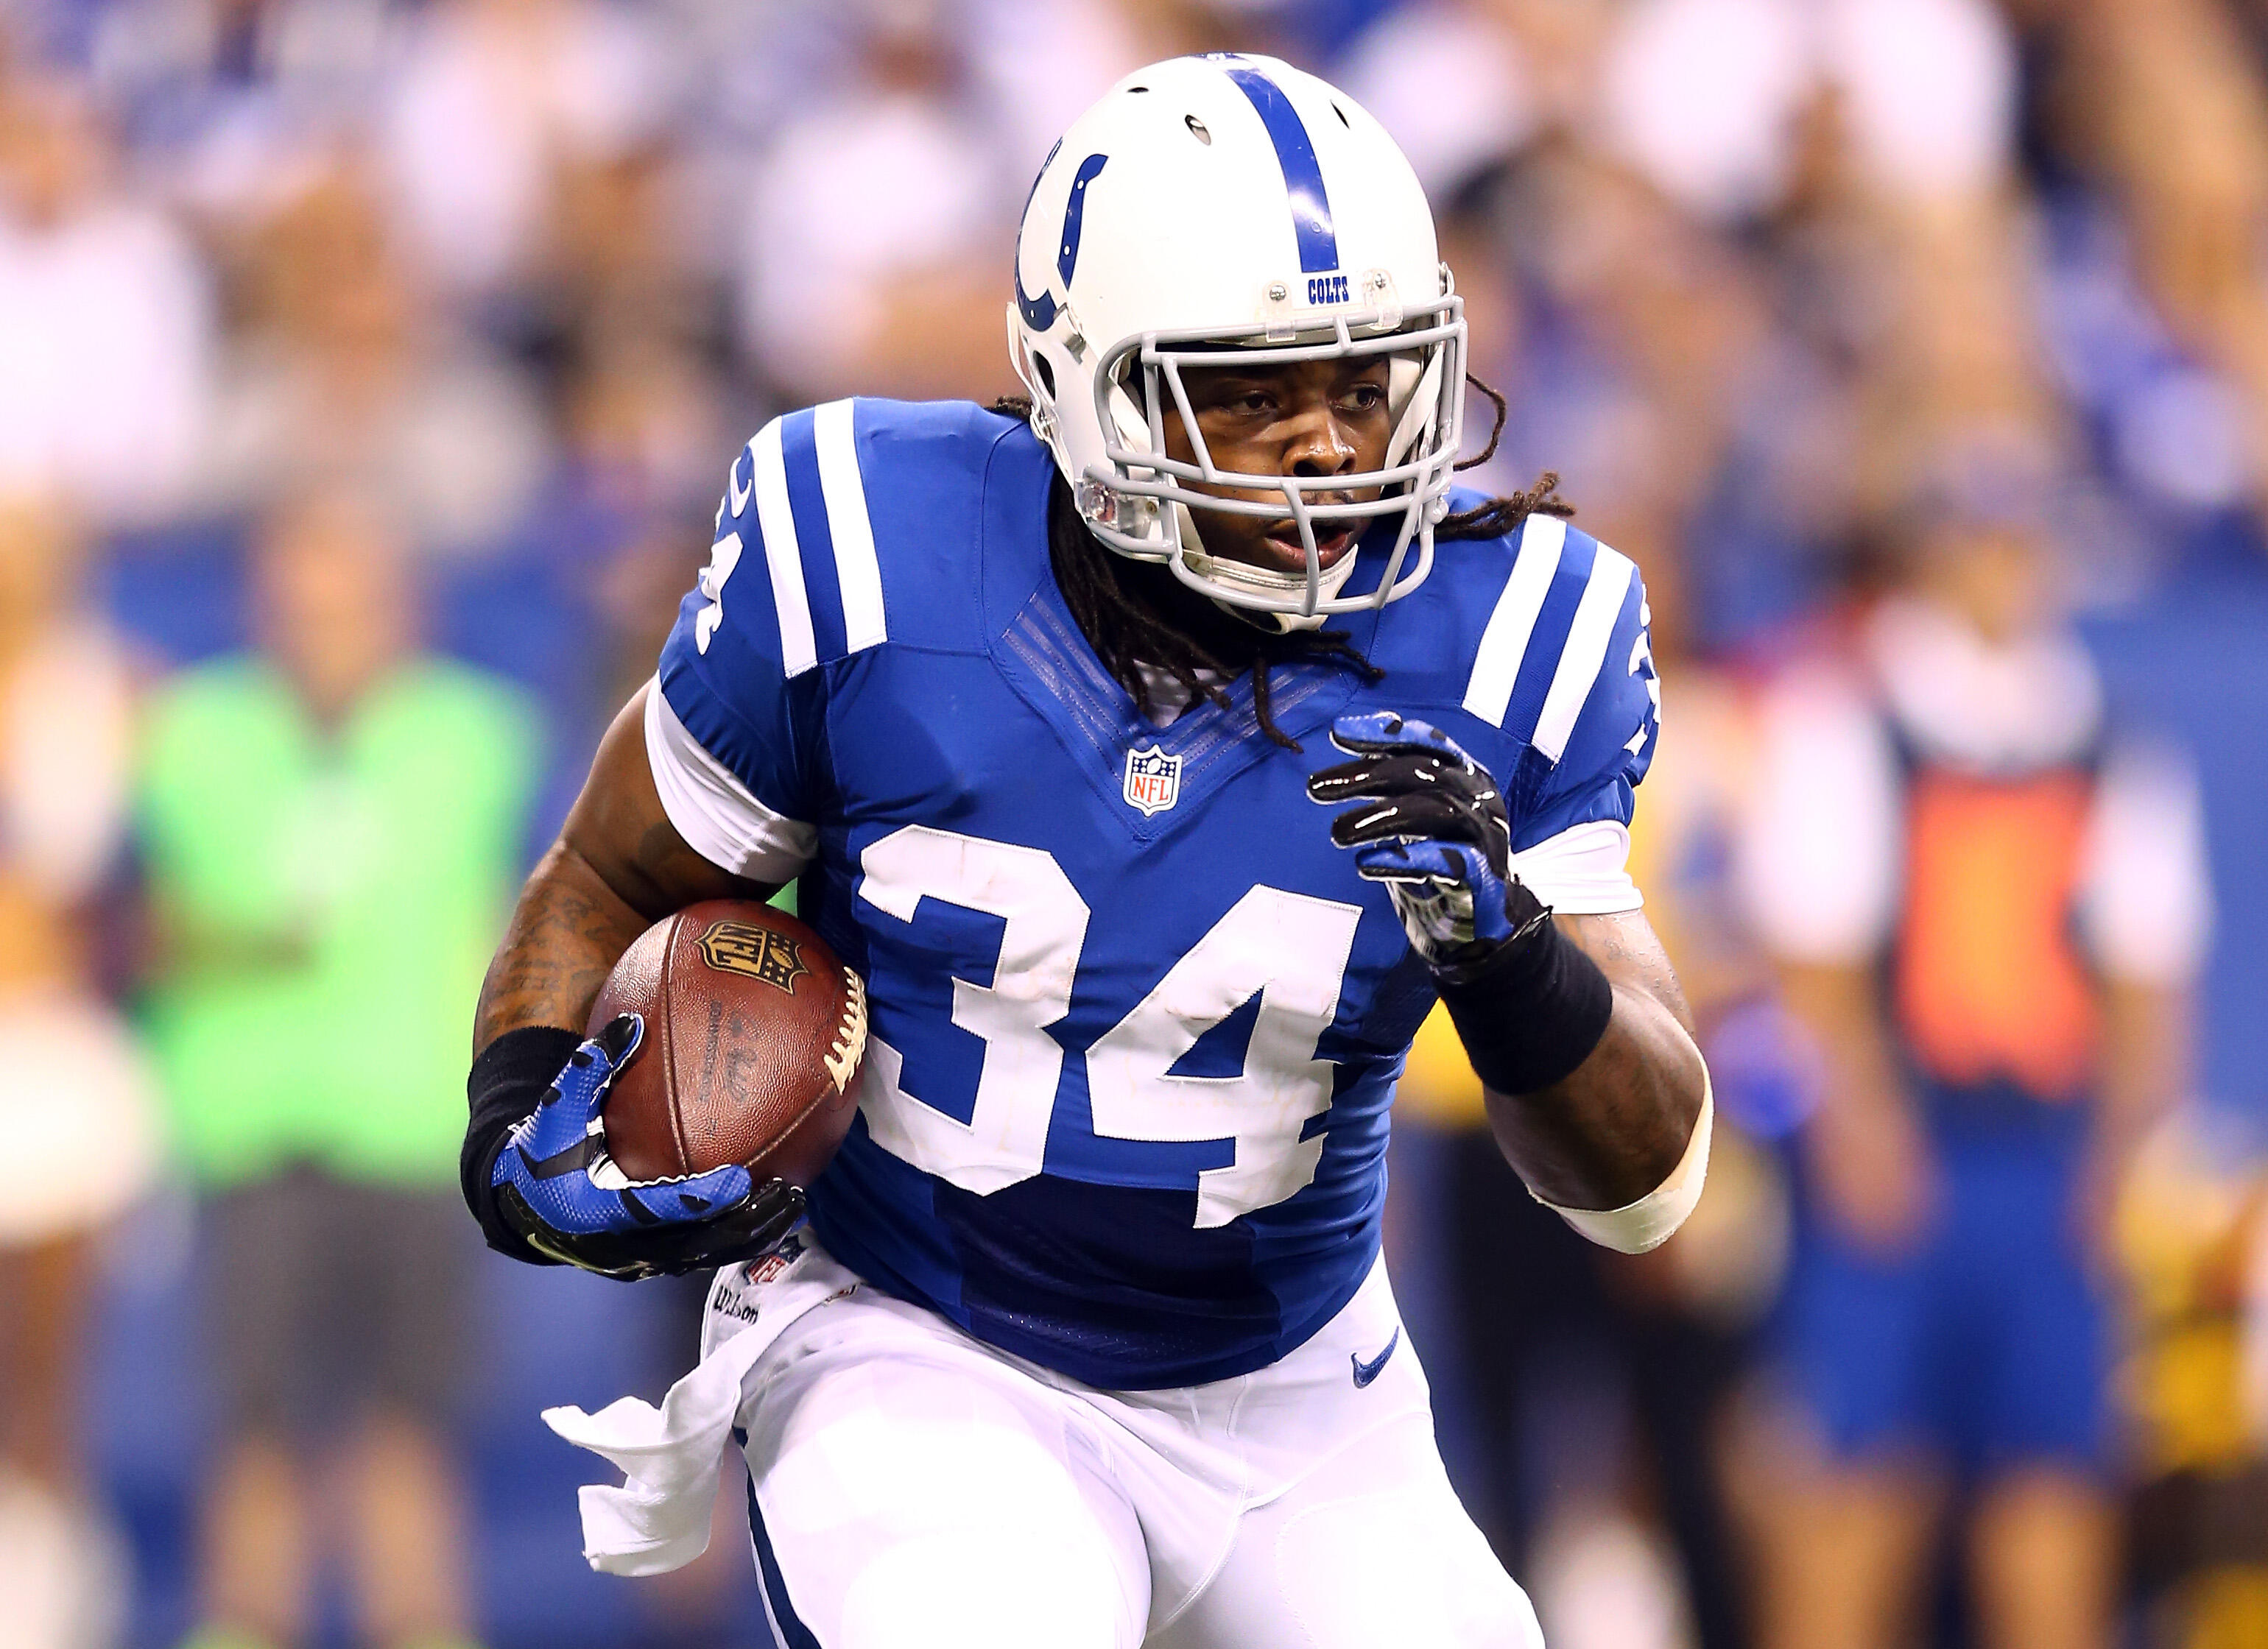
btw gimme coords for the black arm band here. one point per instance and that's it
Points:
(1532, 1012)
(510, 1079)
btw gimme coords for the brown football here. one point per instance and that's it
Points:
(753, 1032)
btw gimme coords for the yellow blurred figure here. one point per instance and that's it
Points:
(2191, 1236)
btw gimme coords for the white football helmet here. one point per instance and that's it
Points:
(1228, 202)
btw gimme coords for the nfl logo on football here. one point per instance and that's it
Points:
(1153, 779)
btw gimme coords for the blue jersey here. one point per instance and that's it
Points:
(1135, 1021)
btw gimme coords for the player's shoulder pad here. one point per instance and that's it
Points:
(1541, 638)
(847, 525)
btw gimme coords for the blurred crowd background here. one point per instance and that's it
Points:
(368, 372)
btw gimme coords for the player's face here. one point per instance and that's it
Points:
(1316, 419)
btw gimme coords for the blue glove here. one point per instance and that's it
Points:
(1430, 823)
(559, 1189)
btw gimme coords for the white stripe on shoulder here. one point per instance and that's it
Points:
(1503, 642)
(782, 553)
(856, 568)
(718, 817)
(1585, 654)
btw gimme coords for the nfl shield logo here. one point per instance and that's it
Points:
(1153, 779)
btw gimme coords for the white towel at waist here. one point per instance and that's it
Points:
(659, 1519)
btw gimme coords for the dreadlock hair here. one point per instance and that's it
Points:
(1500, 518)
(1136, 617)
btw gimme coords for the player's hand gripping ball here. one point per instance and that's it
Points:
(719, 1078)
(1429, 823)
(557, 1187)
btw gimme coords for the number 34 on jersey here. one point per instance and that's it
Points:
(1289, 950)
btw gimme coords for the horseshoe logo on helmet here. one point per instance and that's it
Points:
(1040, 312)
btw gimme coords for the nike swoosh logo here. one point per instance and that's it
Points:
(576, 1156)
(1365, 1373)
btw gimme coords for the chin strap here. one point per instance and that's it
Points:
(1260, 579)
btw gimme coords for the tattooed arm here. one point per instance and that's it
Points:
(618, 866)
(527, 1168)
(1614, 1129)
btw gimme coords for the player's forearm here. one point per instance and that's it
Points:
(1613, 1130)
(566, 935)
(1584, 1047)
(619, 867)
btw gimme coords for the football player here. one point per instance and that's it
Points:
(1152, 876)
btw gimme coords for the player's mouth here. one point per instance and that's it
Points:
(1333, 539)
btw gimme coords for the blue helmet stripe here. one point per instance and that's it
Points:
(1303, 176)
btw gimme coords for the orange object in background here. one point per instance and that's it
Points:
(1989, 981)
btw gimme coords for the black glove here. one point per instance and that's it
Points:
(1430, 823)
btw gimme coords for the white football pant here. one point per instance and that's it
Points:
(914, 1488)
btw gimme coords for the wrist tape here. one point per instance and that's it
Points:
(1532, 1011)
(509, 1080)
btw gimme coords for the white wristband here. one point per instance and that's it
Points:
(1650, 1221)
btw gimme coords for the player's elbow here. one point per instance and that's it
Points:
(1647, 1222)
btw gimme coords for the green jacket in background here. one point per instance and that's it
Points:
(332, 903)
